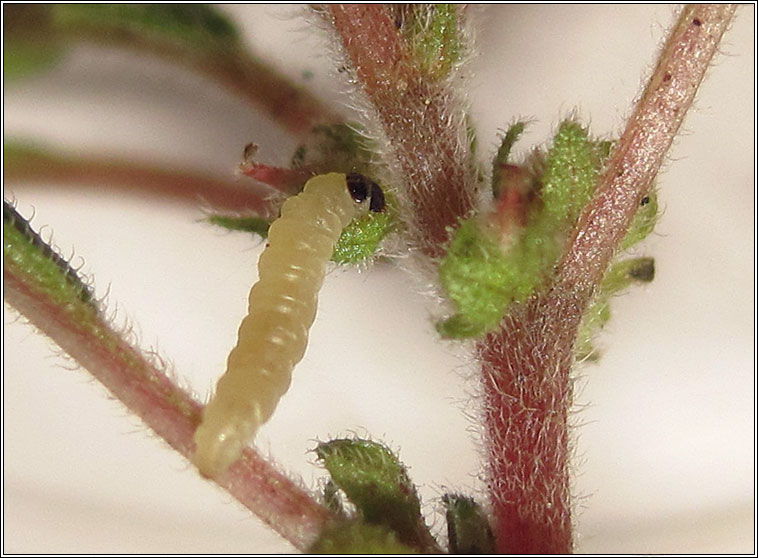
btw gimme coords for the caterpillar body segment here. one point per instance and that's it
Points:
(272, 338)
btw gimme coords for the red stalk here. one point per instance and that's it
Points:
(425, 129)
(526, 364)
(150, 181)
(169, 411)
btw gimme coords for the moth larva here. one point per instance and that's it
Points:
(281, 308)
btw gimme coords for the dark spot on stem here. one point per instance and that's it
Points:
(667, 77)
(645, 200)
(696, 22)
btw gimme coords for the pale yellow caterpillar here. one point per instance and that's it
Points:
(281, 308)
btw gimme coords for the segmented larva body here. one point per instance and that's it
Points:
(282, 306)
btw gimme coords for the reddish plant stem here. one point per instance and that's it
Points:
(152, 181)
(288, 181)
(234, 66)
(639, 153)
(291, 106)
(526, 365)
(425, 130)
(257, 82)
(169, 411)
(525, 371)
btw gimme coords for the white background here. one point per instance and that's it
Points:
(665, 457)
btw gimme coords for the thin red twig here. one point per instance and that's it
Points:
(169, 411)
(526, 365)
(291, 106)
(150, 181)
(420, 118)
(288, 181)
(639, 153)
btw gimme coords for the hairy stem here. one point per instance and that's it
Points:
(525, 372)
(247, 76)
(252, 79)
(526, 365)
(293, 107)
(25, 164)
(424, 128)
(215, 53)
(149, 392)
(639, 153)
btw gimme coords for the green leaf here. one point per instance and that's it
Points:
(360, 239)
(190, 26)
(460, 326)
(571, 170)
(29, 46)
(468, 529)
(377, 483)
(619, 276)
(627, 272)
(356, 537)
(432, 32)
(501, 158)
(256, 225)
(486, 269)
(337, 148)
(482, 280)
(35, 35)
(31, 256)
(22, 59)
(20, 154)
(24, 160)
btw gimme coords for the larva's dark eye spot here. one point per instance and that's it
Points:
(377, 198)
(358, 186)
(362, 188)
(645, 200)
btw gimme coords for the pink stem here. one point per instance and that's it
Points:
(147, 180)
(168, 410)
(293, 107)
(638, 155)
(288, 181)
(425, 130)
(259, 83)
(526, 365)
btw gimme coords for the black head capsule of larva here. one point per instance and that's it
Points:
(377, 198)
(361, 187)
